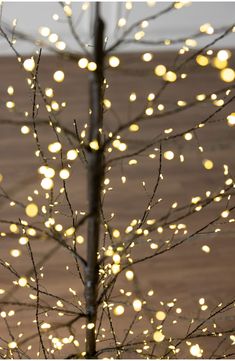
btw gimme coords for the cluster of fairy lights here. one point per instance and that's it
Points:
(118, 259)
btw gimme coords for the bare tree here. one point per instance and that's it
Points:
(103, 281)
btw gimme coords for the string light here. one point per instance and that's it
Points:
(160, 70)
(54, 147)
(22, 282)
(208, 164)
(202, 60)
(92, 66)
(147, 57)
(119, 310)
(12, 345)
(59, 76)
(196, 351)
(72, 154)
(231, 119)
(160, 316)
(170, 76)
(223, 55)
(44, 31)
(10, 90)
(114, 61)
(122, 246)
(64, 174)
(158, 336)
(29, 64)
(137, 305)
(169, 155)
(82, 63)
(31, 210)
(47, 183)
(227, 75)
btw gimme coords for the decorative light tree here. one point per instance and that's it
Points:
(101, 254)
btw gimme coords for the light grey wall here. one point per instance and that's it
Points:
(32, 15)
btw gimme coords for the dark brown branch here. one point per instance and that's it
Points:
(95, 175)
(37, 301)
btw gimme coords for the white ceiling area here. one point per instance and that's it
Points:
(184, 22)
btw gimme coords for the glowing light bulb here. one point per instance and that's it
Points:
(80, 239)
(107, 103)
(23, 240)
(134, 127)
(60, 45)
(49, 92)
(58, 76)
(132, 97)
(147, 57)
(72, 154)
(64, 174)
(170, 76)
(208, 164)
(58, 227)
(45, 326)
(91, 66)
(223, 55)
(206, 249)
(29, 64)
(121, 22)
(196, 351)
(90, 326)
(129, 275)
(22, 282)
(116, 233)
(14, 228)
(227, 75)
(47, 183)
(10, 105)
(114, 61)
(160, 315)
(116, 258)
(94, 145)
(207, 28)
(68, 10)
(188, 136)
(160, 70)
(149, 111)
(15, 253)
(54, 147)
(53, 38)
(31, 210)
(12, 345)
(137, 305)
(231, 119)
(191, 42)
(10, 90)
(225, 213)
(82, 63)
(49, 172)
(69, 232)
(119, 310)
(202, 60)
(169, 155)
(158, 336)
(25, 129)
(115, 268)
(44, 31)
(219, 64)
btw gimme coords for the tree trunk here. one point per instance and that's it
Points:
(95, 159)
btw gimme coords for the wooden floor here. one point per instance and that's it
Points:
(185, 273)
